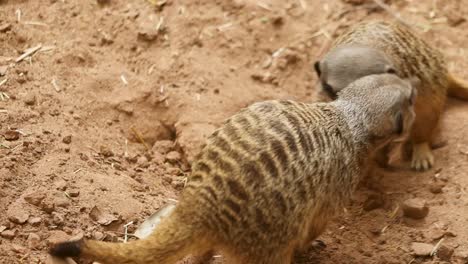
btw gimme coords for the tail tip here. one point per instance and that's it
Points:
(66, 249)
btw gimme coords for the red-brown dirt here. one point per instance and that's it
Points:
(108, 77)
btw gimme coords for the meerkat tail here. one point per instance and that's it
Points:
(458, 88)
(170, 242)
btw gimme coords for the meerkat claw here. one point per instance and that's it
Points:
(422, 159)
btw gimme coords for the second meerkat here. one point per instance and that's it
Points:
(270, 178)
(377, 47)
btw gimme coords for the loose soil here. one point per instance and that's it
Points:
(99, 124)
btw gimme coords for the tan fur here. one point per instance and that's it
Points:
(270, 178)
(378, 47)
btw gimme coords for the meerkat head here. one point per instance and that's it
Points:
(347, 63)
(380, 107)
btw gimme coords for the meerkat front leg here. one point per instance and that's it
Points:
(427, 118)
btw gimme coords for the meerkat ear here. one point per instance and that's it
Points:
(317, 68)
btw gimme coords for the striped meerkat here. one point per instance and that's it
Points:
(381, 47)
(270, 178)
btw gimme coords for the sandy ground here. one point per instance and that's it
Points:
(100, 123)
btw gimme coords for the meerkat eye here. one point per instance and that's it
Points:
(329, 90)
(391, 71)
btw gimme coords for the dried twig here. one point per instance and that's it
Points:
(264, 6)
(140, 138)
(3, 81)
(35, 23)
(56, 87)
(436, 247)
(28, 52)
(126, 231)
(124, 80)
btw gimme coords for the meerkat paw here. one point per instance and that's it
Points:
(422, 159)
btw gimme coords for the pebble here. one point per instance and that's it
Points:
(67, 139)
(57, 218)
(11, 135)
(60, 185)
(8, 234)
(47, 206)
(421, 249)
(73, 192)
(163, 146)
(173, 156)
(18, 216)
(436, 187)
(415, 208)
(62, 202)
(445, 253)
(18, 248)
(56, 236)
(35, 198)
(5, 27)
(34, 240)
(3, 70)
(35, 221)
(29, 99)
(106, 152)
(98, 235)
(143, 162)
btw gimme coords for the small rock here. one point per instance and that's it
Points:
(8, 234)
(374, 201)
(173, 156)
(73, 192)
(60, 185)
(3, 70)
(56, 236)
(142, 162)
(67, 139)
(29, 99)
(18, 216)
(106, 152)
(18, 249)
(445, 253)
(5, 27)
(35, 221)
(34, 240)
(106, 39)
(101, 217)
(163, 146)
(35, 198)
(11, 135)
(62, 202)
(415, 208)
(47, 206)
(98, 235)
(57, 218)
(436, 187)
(421, 249)
(2, 228)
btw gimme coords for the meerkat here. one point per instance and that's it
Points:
(382, 47)
(270, 178)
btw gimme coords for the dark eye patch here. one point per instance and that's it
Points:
(399, 123)
(329, 90)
